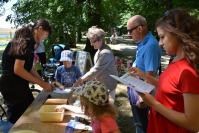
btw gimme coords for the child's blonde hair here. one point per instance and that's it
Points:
(94, 99)
(96, 111)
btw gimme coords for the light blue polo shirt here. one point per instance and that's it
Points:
(148, 54)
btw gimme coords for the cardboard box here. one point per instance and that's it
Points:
(24, 131)
(48, 113)
(55, 101)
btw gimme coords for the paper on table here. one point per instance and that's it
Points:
(58, 90)
(79, 126)
(133, 82)
(74, 109)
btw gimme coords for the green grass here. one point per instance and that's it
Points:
(2, 48)
(5, 38)
(3, 42)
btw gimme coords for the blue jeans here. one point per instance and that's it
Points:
(5, 126)
(140, 115)
(140, 118)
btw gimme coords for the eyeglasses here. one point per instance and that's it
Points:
(132, 29)
(92, 42)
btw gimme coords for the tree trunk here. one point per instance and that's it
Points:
(94, 13)
(79, 34)
(169, 4)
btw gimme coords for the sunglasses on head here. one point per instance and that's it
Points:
(132, 29)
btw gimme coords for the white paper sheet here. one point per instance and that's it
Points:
(78, 125)
(61, 91)
(135, 83)
(74, 109)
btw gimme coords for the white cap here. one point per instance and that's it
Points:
(66, 55)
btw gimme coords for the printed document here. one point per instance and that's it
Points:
(134, 82)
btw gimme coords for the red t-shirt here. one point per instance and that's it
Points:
(177, 79)
(105, 124)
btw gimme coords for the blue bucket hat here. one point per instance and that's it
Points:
(66, 55)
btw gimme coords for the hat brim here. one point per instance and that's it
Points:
(78, 91)
(66, 59)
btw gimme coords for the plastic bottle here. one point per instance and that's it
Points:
(71, 126)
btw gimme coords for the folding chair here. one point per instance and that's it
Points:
(83, 61)
(3, 112)
(5, 125)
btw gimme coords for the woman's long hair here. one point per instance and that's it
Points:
(186, 28)
(20, 44)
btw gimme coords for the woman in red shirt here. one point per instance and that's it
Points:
(175, 106)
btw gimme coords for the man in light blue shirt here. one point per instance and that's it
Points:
(148, 55)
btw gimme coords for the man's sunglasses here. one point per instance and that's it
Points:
(132, 29)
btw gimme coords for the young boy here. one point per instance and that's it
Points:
(67, 73)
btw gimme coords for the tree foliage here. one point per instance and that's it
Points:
(2, 9)
(70, 18)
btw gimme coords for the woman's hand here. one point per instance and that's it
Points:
(30, 76)
(140, 103)
(148, 99)
(57, 84)
(137, 72)
(46, 86)
(60, 108)
(149, 77)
